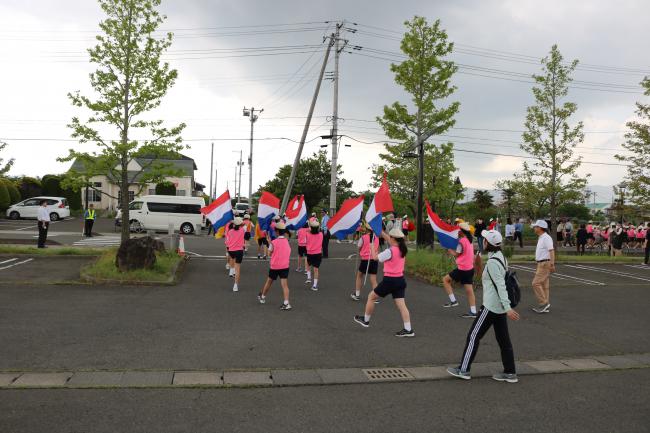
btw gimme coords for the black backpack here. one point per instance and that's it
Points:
(512, 284)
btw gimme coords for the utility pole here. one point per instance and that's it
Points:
(211, 167)
(240, 164)
(253, 118)
(214, 191)
(296, 162)
(335, 117)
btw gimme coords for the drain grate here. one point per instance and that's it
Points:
(379, 374)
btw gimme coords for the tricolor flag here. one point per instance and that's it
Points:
(347, 219)
(381, 202)
(219, 212)
(296, 213)
(447, 234)
(268, 207)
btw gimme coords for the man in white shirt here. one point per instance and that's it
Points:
(43, 223)
(545, 258)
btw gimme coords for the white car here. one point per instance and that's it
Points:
(156, 212)
(56, 206)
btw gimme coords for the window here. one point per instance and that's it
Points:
(136, 205)
(174, 208)
(131, 196)
(97, 184)
(180, 192)
(52, 202)
(152, 191)
(94, 196)
(32, 202)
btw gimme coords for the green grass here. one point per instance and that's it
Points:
(429, 265)
(104, 269)
(51, 251)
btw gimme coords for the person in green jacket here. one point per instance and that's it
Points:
(89, 220)
(495, 312)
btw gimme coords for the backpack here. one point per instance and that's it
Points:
(512, 284)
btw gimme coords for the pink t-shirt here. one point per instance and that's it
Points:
(314, 243)
(640, 234)
(590, 228)
(364, 251)
(465, 260)
(235, 239)
(394, 267)
(630, 234)
(302, 236)
(280, 253)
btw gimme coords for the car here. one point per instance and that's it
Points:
(56, 206)
(156, 212)
(241, 208)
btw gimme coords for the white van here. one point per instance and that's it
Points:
(156, 212)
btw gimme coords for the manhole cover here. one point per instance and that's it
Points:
(377, 374)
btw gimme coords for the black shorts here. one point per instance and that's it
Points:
(462, 277)
(302, 251)
(237, 255)
(314, 260)
(395, 286)
(275, 273)
(372, 268)
(262, 241)
(247, 236)
(590, 236)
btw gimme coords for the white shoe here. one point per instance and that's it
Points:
(227, 266)
(235, 288)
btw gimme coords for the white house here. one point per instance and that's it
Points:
(105, 194)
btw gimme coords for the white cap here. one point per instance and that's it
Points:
(396, 233)
(464, 226)
(246, 216)
(238, 221)
(405, 216)
(314, 223)
(280, 226)
(493, 237)
(541, 224)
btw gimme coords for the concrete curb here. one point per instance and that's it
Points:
(299, 377)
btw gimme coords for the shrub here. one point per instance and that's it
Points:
(4, 196)
(165, 188)
(14, 194)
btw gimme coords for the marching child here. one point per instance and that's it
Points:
(235, 245)
(262, 242)
(367, 265)
(302, 247)
(230, 266)
(314, 252)
(248, 226)
(464, 271)
(394, 259)
(279, 266)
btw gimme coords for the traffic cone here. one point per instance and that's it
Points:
(181, 246)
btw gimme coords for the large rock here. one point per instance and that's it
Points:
(138, 253)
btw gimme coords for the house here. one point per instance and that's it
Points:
(105, 194)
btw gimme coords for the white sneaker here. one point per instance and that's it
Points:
(227, 266)
(235, 288)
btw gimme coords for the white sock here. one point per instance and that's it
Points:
(366, 318)
(407, 326)
(232, 271)
(235, 286)
(357, 292)
(472, 308)
(286, 302)
(452, 297)
(315, 282)
(308, 275)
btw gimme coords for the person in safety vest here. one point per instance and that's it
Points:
(89, 220)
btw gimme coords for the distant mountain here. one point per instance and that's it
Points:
(604, 194)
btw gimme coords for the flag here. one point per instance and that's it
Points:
(347, 219)
(268, 207)
(219, 212)
(447, 233)
(381, 202)
(296, 213)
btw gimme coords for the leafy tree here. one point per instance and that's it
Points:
(52, 185)
(526, 199)
(549, 138)
(425, 76)
(483, 199)
(14, 194)
(29, 187)
(165, 188)
(130, 81)
(637, 141)
(312, 180)
(5, 199)
(5, 166)
(574, 210)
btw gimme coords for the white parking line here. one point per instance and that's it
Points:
(646, 267)
(561, 276)
(7, 261)
(607, 271)
(16, 264)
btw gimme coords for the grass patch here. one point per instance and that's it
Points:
(429, 265)
(104, 269)
(51, 251)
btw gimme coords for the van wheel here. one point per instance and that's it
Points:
(135, 226)
(54, 216)
(14, 215)
(187, 228)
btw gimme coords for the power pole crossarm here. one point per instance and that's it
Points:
(253, 118)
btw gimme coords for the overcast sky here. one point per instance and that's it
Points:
(42, 57)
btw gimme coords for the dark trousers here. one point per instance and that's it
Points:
(647, 253)
(521, 239)
(326, 244)
(481, 325)
(42, 233)
(88, 227)
(479, 241)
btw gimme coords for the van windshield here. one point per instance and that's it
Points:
(135, 205)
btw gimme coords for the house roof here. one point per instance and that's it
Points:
(184, 163)
(598, 206)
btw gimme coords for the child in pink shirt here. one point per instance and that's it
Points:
(302, 247)
(279, 266)
(314, 252)
(235, 243)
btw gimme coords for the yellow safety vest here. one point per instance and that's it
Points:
(91, 214)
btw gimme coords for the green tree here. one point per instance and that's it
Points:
(312, 180)
(526, 199)
(5, 199)
(574, 210)
(425, 75)
(29, 187)
(130, 81)
(637, 142)
(549, 138)
(483, 199)
(5, 166)
(52, 185)
(14, 194)
(165, 188)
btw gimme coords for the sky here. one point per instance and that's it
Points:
(221, 52)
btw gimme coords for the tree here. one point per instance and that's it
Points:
(426, 76)
(312, 180)
(7, 165)
(29, 187)
(129, 82)
(637, 142)
(165, 188)
(549, 139)
(4, 196)
(526, 199)
(574, 210)
(14, 194)
(52, 185)
(483, 199)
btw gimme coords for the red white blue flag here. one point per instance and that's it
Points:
(219, 212)
(268, 207)
(347, 219)
(381, 202)
(447, 233)
(296, 213)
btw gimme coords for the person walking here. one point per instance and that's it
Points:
(248, 231)
(405, 226)
(479, 226)
(545, 258)
(302, 247)
(646, 245)
(617, 237)
(519, 232)
(235, 244)
(559, 232)
(314, 253)
(495, 312)
(262, 242)
(393, 283)
(510, 231)
(463, 273)
(568, 234)
(280, 251)
(581, 239)
(367, 265)
(326, 234)
(43, 223)
(89, 220)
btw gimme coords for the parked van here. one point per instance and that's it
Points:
(156, 212)
(56, 206)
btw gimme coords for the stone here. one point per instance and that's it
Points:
(342, 375)
(42, 379)
(138, 253)
(197, 378)
(247, 378)
(296, 377)
(428, 372)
